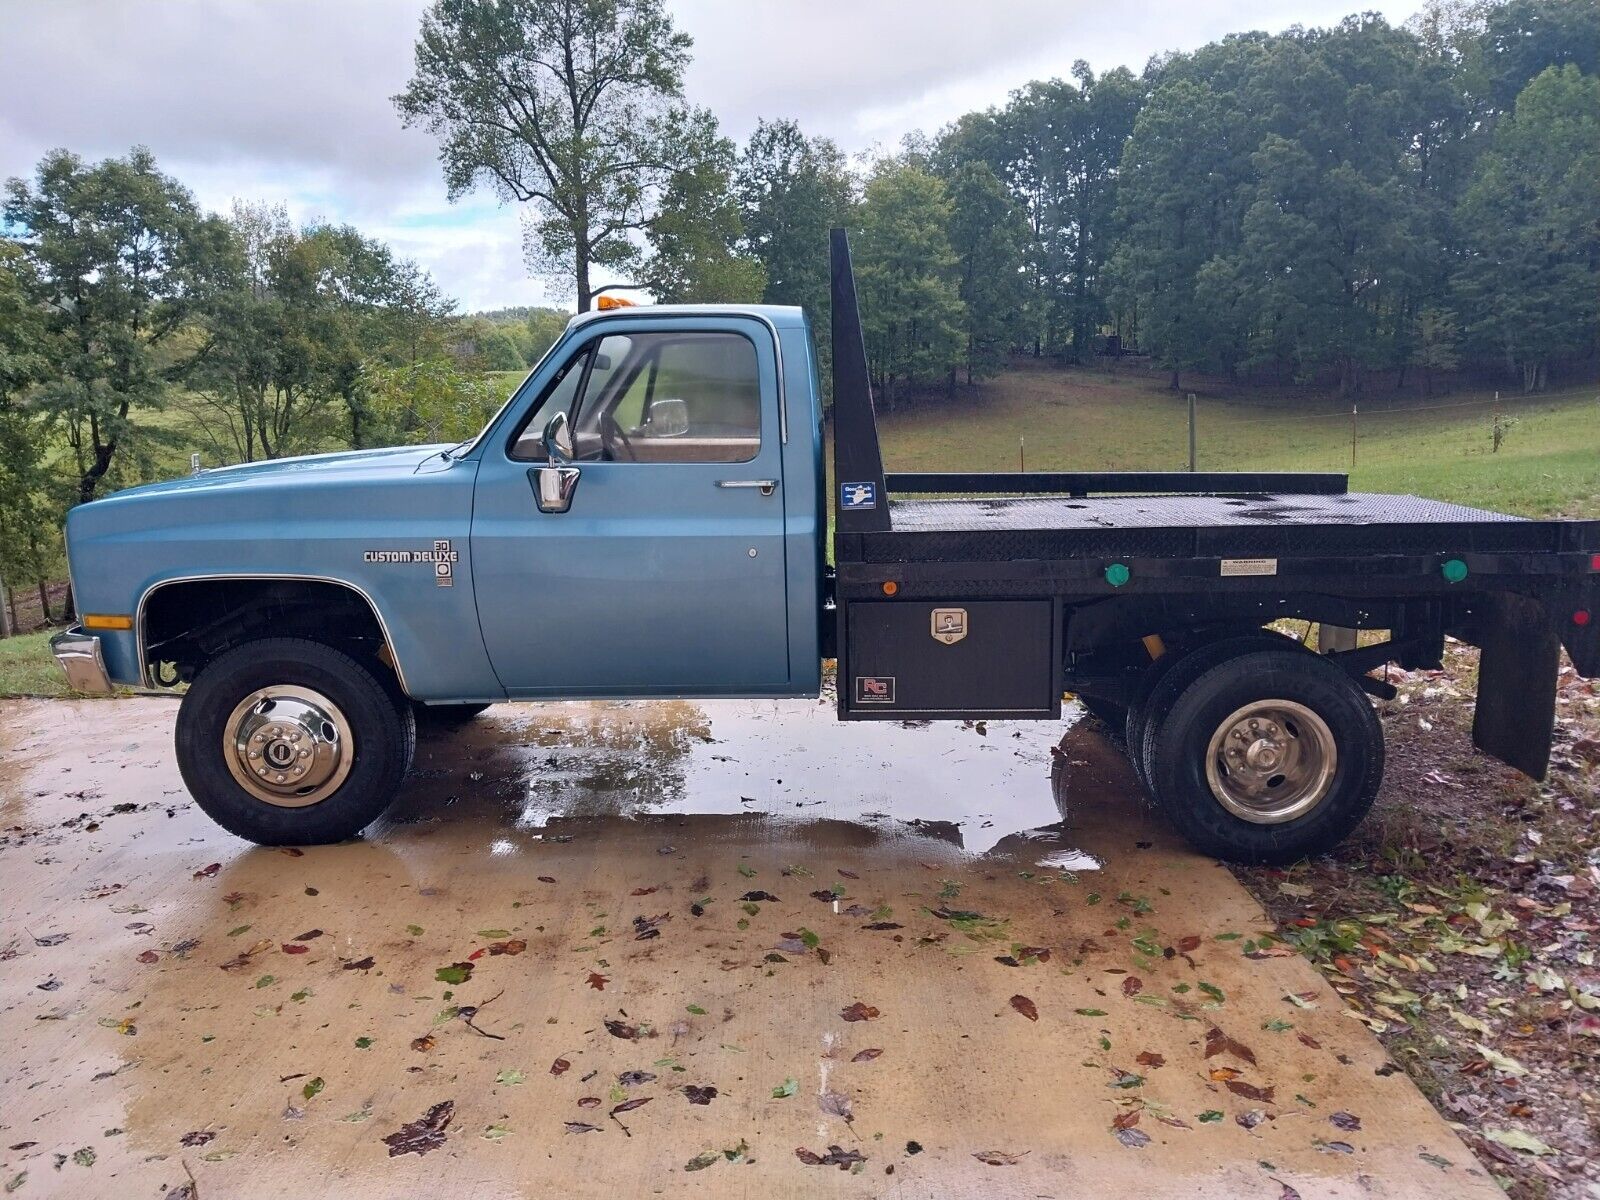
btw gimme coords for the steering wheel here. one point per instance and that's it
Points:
(612, 436)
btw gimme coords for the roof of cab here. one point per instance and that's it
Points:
(782, 316)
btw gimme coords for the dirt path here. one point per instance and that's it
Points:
(663, 922)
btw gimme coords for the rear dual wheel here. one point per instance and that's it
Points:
(1265, 755)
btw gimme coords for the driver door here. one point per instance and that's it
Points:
(665, 575)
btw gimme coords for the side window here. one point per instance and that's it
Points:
(682, 397)
(558, 397)
(654, 398)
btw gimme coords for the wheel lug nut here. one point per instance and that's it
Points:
(261, 771)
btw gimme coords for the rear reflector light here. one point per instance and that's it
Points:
(1594, 563)
(1581, 617)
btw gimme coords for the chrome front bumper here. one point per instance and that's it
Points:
(79, 655)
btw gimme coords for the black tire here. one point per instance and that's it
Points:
(446, 716)
(1178, 771)
(383, 733)
(1168, 683)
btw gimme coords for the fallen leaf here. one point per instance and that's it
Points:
(1026, 1007)
(426, 1133)
(198, 1137)
(581, 1127)
(598, 981)
(511, 946)
(559, 1066)
(1348, 1122)
(1516, 1139)
(836, 1156)
(835, 1104)
(999, 1158)
(1149, 1058)
(630, 1105)
(294, 948)
(424, 1043)
(455, 973)
(633, 1079)
(589, 1101)
(642, 891)
(1133, 1138)
(757, 897)
(1250, 1091)
(547, 878)
(1218, 1042)
(620, 1029)
(148, 956)
(360, 964)
(859, 1012)
(786, 1089)
(706, 1158)
(510, 1077)
(865, 1055)
(208, 872)
(309, 935)
(1132, 985)
(700, 1095)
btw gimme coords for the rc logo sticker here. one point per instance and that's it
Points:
(874, 689)
(858, 495)
(949, 625)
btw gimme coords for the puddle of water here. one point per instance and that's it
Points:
(1070, 860)
(782, 759)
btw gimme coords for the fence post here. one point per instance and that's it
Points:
(1352, 437)
(1191, 431)
(1022, 456)
(5, 611)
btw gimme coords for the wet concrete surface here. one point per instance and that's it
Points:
(179, 1009)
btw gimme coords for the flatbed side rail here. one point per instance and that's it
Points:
(1084, 483)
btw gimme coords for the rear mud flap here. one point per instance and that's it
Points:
(1516, 709)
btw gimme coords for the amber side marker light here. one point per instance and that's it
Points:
(891, 588)
(607, 303)
(107, 621)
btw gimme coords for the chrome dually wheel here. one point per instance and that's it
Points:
(288, 745)
(1271, 761)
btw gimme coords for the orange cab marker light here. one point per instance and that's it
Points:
(107, 621)
(890, 588)
(607, 302)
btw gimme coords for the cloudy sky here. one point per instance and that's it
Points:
(287, 101)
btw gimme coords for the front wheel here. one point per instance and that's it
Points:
(284, 741)
(1268, 757)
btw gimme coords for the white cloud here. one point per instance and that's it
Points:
(288, 101)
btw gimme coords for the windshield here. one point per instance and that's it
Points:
(467, 447)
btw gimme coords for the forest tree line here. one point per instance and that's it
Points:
(1318, 205)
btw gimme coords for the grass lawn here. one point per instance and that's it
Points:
(1441, 446)
(26, 668)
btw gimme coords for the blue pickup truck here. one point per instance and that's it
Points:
(646, 517)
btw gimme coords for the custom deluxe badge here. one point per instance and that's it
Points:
(442, 557)
(948, 625)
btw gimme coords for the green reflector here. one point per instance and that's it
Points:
(1117, 574)
(1455, 570)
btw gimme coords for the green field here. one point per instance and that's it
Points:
(1441, 446)
(26, 668)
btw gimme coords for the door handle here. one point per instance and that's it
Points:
(767, 486)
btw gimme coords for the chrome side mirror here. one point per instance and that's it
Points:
(558, 440)
(553, 487)
(669, 417)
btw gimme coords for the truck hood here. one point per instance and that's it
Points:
(354, 466)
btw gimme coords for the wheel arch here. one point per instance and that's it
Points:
(217, 598)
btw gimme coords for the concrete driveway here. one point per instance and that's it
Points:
(618, 950)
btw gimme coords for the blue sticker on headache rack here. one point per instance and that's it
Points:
(858, 495)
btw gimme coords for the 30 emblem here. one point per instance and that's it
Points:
(949, 625)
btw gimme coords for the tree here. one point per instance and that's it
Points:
(28, 518)
(1530, 285)
(792, 189)
(489, 346)
(696, 254)
(120, 259)
(570, 106)
(989, 237)
(912, 315)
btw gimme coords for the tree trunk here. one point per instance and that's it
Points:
(581, 270)
(5, 620)
(69, 607)
(44, 601)
(1172, 384)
